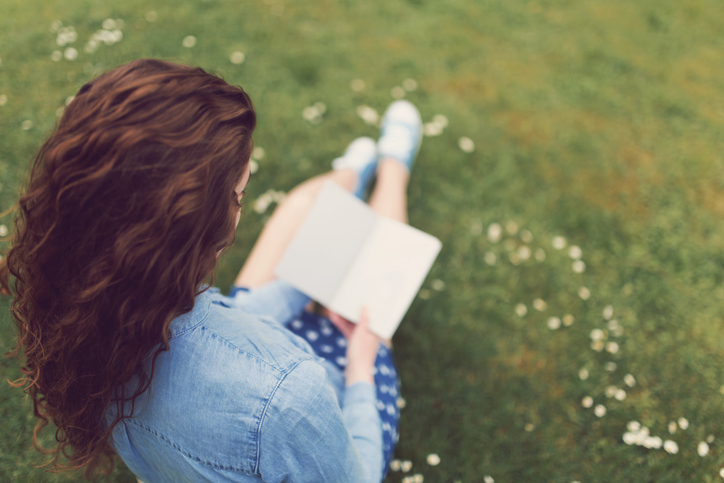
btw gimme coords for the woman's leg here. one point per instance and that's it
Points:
(389, 198)
(281, 227)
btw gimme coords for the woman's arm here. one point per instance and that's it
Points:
(362, 350)
(305, 436)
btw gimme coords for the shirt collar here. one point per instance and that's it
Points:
(189, 320)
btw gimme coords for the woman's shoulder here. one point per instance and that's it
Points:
(222, 330)
(211, 390)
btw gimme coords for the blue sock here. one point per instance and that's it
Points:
(361, 157)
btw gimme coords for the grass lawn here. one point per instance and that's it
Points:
(594, 124)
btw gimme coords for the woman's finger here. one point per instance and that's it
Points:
(344, 325)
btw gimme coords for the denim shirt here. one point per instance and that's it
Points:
(241, 398)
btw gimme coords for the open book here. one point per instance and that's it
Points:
(347, 257)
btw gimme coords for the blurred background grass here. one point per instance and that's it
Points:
(599, 121)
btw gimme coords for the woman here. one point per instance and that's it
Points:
(129, 351)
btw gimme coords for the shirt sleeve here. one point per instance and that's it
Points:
(306, 437)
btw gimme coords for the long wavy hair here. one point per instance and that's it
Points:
(118, 229)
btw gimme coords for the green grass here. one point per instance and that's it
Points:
(597, 120)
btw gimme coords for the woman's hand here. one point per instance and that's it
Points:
(345, 326)
(362, 347)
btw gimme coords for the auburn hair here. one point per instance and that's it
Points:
(118, 229)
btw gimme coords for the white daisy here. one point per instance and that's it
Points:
(438, 285)
(70, 53)
(671, 447)
(409, 85)
(539, 305)
(612, 347)
(237, 57)
(466, 144)
(702, 449)
(554, 323)
(521, 310)
(441, 120)
(431, 129)
(368, 114)
(495, 231)
(397, 92)
(597, 334)
(558, 242)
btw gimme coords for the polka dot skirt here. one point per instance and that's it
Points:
(328, 342)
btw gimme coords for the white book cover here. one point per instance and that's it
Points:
(346, 257)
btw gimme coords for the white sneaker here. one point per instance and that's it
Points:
(401, 133)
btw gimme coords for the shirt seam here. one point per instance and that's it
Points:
(263, 414)
(214, 334)
(186, 453)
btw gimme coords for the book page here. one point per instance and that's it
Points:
(327, 244)
(386, 275)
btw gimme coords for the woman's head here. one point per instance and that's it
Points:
(153, 137)
(127, 205)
